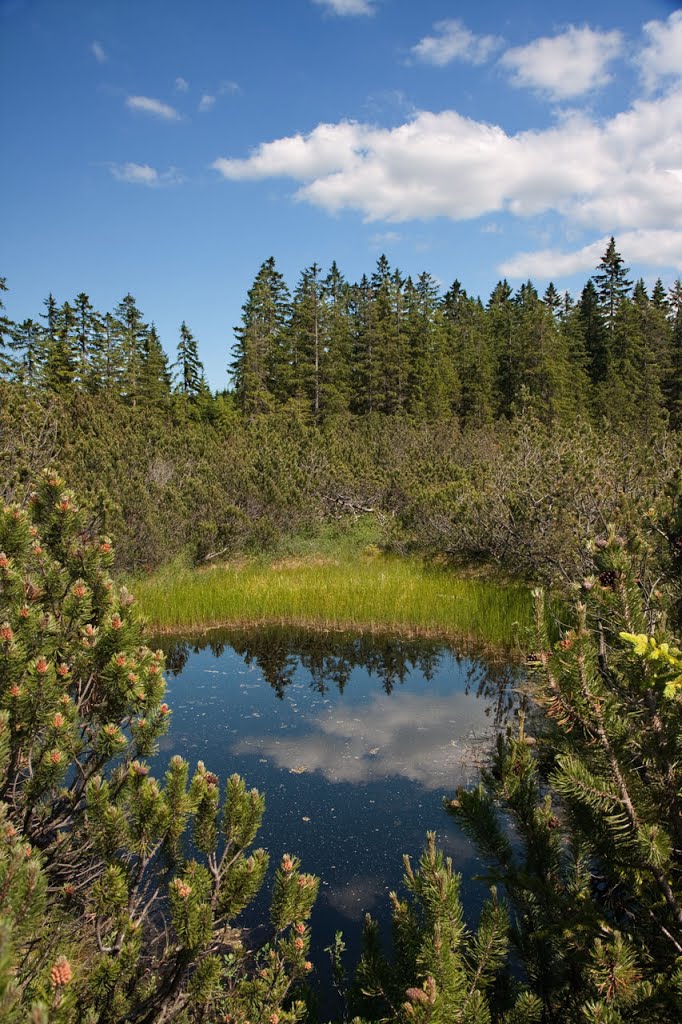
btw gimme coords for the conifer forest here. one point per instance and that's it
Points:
(530, 442)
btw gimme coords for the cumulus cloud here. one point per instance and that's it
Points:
(618, 174)
(205, 103)
(658, 248)
(181, 84)
(156, 108)
(144, 174)
(327, 149)
(566, 65)
(97, 50)
(347, 7)
(453, 41)
(662, 56)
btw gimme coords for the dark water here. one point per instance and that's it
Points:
(354, 740)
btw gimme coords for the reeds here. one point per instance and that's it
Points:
(368, 592)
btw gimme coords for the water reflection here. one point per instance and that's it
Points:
(329, 658)
(410, 737)
(353, 739)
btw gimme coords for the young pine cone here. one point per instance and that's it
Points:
(61, 973)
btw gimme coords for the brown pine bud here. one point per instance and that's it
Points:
(61, 973)
(416, 995)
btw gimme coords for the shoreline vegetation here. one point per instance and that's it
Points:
(88, 832)
(367, 591)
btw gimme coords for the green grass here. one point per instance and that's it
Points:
(363, 590)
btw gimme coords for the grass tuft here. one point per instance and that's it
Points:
(364, 591)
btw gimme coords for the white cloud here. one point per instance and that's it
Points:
(181, 84)
(151, 106)
(325, 150)
(208, 100)
(143, 174)
(347, 7)
(566, 65)
(662, 248)
(98, 53)
(622, 174)
(385, 238)
(136, 174)
(453, 41)
(662, 56)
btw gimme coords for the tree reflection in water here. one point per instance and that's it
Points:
(330, 658)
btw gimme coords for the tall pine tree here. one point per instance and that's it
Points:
(132, 334)
(673, 378)
(6, 327)
(260, 366)
(612, 284)
(190, 380)
(337, 343)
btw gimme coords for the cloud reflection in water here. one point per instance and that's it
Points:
(424, 740)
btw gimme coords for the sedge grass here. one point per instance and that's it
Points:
(367, 592)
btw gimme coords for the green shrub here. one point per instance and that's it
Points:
(146, 878)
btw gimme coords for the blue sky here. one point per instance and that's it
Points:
(168, 148)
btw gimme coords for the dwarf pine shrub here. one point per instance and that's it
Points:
(120, 892)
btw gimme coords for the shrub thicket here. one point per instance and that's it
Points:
(121, 892)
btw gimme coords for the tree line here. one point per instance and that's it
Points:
(388, 345)
(78, 348)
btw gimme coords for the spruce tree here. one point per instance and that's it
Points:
(578, 385)
(417, 344)
(306, 340)
(365, 383)
(337, 343)
(155, 377)
(382, 355)
(470, 350)
(395, 357)
(27, 344)
(105, 369)
(6, 332)
(595, 334)
(654, 354)
(553, 300)
(61, 364)
(433, 386)
(673, 377)
(631, 393)
(260, 368)
(659, 298)
(500, 316)
(50, 317)
(88, 326)
(131, 337)
(541, 358)
(190, 370)
(612, 284)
